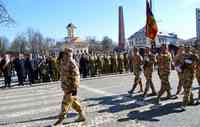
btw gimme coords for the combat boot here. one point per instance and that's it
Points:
(81, 117)
(199, 95)
(133, 88)
(191, 101)
(169, 95)
(157, 102)
(60, 120)
(141, 88)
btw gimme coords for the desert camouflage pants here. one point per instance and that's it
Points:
(149, 82)
(198, 79)
(137, 81)
(165, 85)
(188, 77)
(69, 101)
(180, 82)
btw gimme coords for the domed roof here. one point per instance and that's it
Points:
(71, 25)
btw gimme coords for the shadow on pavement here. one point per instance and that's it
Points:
(69, 115)
(153, 113)
(119, 103)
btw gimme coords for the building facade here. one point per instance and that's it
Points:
(75, 42)
(198, 23)
(139, 39)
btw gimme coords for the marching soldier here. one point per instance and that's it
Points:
(188, 75)
(164, 62)
(148, 63)
(70, 80)
(178, 64)
(137, 63)
(198, 69)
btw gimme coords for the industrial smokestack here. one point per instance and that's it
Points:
(121, 43)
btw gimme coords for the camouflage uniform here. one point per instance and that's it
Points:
(198, 73)
(137, 62)
(70, 81)
(164, 62)
(99, 65)
(54, 69)
(44, 71)
(120, 63)
(113, 60)
(148, 62)
(92, 66)
(178, 63)
(105, 64)
(188, 76)
(126, 62)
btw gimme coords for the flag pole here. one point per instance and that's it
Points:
(153, 43)
(151, 4)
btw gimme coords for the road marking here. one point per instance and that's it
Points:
(94, 90)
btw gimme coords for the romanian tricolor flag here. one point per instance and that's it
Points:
(151, 26)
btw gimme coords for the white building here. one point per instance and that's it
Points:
(75, 42)
(198, 23)
(139, 39)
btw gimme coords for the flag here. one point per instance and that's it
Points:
(151, 26)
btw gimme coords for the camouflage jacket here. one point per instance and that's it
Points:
(164, 63)
(70, 75)
(148, 62)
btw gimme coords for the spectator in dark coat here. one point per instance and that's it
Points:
(84, 65)
(6, 68)
(19, 64)
(29, 66)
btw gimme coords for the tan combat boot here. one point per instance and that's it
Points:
(81, 117)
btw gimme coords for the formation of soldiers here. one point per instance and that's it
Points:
(186, 63)
(98, 64)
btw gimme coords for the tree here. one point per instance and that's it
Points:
(35, 40)
(5, 17)
(49, 43)
(107, 44)
(3, 43)
(19, 44)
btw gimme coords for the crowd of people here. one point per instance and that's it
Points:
(66, 67)
(46, 69)
(30, 70)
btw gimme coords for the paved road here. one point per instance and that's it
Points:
(105, 101)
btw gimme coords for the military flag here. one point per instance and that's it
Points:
(151, 26)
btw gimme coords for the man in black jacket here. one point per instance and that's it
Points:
(20, 69)
(29, 67)
(6, 67)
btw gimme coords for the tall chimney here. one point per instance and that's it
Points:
(121, 43)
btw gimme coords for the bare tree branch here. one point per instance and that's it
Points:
(5, 18)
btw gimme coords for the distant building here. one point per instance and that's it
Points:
(139, 39)
(74, 42)
(198, 23)
(71, 41)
